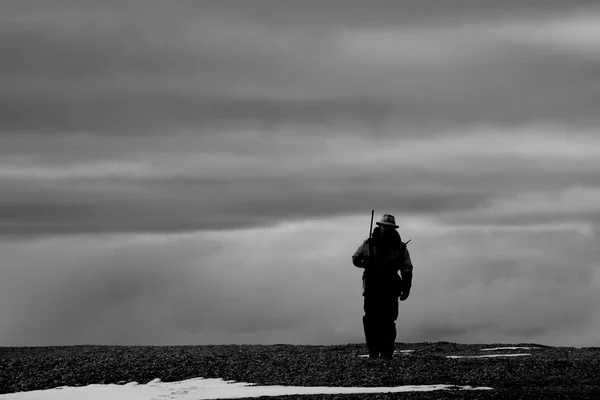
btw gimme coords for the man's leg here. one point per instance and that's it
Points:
(389, 316)
(371, 324)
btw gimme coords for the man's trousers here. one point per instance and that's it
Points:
(379, 323)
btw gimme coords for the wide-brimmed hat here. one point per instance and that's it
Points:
(388, 220)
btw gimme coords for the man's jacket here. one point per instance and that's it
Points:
(382, 258)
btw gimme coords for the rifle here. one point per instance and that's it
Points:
(370, 234)
(370, 252)
(371, 227)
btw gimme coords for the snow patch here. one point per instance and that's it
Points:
(509, 348)
(490, 355)
(200, 388)
(404, 352)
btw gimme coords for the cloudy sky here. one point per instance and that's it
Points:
(201, 172)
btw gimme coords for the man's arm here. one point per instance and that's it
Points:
(360, 256)
(407, 273)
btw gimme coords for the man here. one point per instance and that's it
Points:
(382, 256)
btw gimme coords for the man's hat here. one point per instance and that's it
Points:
(389, 220)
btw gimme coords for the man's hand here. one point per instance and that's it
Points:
(404, 294)
(359, 262)
(407, 283)
(365, 263)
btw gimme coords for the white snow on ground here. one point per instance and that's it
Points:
(490, 355)
(405, 352)
(509, 348)
(200, 388)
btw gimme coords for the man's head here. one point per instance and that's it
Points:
(387, 226)
(387, 222)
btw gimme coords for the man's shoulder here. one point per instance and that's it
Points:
(363, 246)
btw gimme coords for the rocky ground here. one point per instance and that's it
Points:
(547, 373)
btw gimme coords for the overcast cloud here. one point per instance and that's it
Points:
(201, 172)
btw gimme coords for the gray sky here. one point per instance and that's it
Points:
(201, 172)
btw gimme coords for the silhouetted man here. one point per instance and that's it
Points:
(382, 256)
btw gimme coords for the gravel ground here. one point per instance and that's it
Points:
(548, 373)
